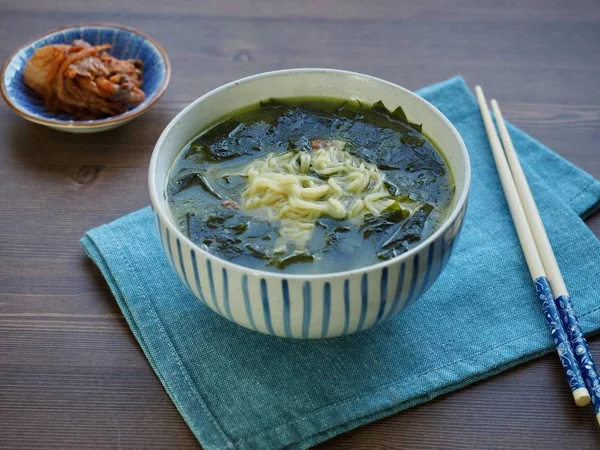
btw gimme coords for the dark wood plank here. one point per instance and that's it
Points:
(458, 10)
(71, 373)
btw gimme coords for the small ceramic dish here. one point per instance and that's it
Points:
(126, 42)
(312, 305)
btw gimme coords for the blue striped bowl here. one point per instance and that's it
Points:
(127, 43)
(307, 306)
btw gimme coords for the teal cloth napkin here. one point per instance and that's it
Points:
(236, 388)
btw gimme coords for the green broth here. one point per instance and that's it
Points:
(416, 174)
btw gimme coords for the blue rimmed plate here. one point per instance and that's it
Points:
(126, 42)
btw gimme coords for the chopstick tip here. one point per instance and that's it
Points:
(582, 397)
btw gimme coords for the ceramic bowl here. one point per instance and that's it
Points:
(127, 43)
(307, 306)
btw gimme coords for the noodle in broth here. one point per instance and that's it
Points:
(310, 186)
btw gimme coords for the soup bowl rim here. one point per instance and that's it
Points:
(160, 205)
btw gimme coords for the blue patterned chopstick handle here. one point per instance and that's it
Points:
(580, 348)
(559, 336)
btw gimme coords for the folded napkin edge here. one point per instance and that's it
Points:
(399, 407)
(584, 205)
(95, 254)
(590, 210)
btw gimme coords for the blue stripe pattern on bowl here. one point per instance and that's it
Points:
(310, 309)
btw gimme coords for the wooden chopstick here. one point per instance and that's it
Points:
(534, 262)
(559, 289)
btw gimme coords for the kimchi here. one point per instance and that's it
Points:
(84, 81)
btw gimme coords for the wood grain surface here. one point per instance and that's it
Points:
(71, 373)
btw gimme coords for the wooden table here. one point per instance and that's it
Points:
(71, 373)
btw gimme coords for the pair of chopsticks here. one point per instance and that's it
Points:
(572, 348)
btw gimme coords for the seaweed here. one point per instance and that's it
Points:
(395, 231)
(285, 261)
(412, 140)
(258, 252)
(279, 260)
(293, 126)
(272, 103)
(377, 225)
(238, 141)
(410, 231)
(397, 114)
(189, 179)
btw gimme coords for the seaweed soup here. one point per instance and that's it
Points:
(209, 184)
